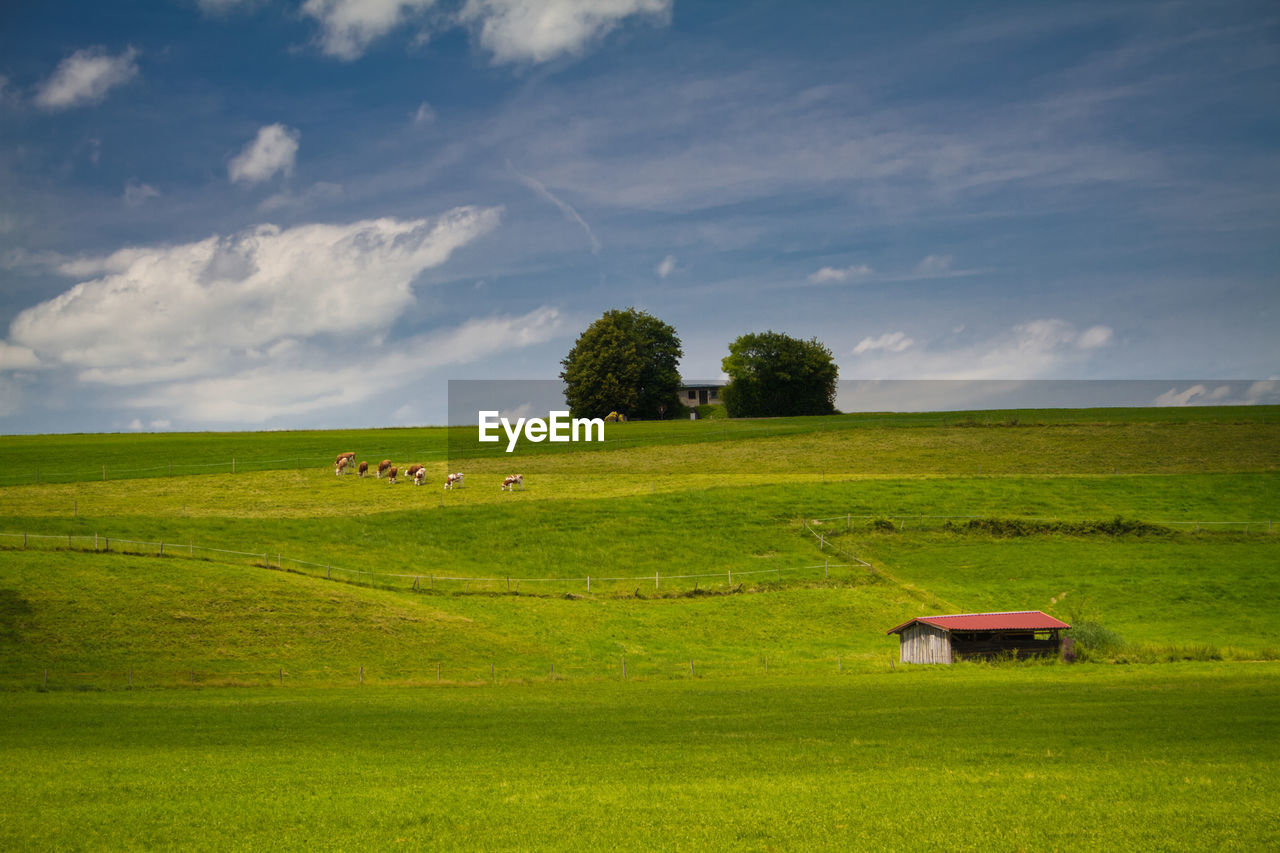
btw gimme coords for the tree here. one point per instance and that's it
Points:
(773, 375)
(624, 362)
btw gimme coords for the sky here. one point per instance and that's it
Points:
(246, 214)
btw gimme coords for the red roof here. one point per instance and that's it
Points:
(1017, 620)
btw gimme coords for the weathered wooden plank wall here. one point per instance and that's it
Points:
(923, 643)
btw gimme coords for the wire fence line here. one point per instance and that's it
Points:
(416, 580)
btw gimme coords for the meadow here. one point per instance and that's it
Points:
(321, 661)
(1173, 757)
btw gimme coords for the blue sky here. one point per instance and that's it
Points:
(248, 214)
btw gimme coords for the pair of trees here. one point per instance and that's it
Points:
(627, 362)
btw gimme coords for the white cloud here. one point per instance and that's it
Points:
(1094, 337)
(350, 26)
(540, 30)
(827, 274)
(667, 266)
(889, 342)
(85, 77)
(565, 208)
(172, 313)
(934, 265)
(1037, 349)
(273, 150)
(424, 114)
(312, 380)
(1261, 392)
(16, 357)
(136, 193)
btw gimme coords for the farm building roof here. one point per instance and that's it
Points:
(1016, 620)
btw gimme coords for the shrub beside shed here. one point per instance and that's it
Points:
(943, 639)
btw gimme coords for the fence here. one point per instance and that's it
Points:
(430, 581)
(442, 672)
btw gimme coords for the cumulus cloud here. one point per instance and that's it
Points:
(348, 27)
(540, 30)
(85, 77)
(830, 274)
(889, 342)
(273, 150)
(667, 266)
(1035, 349)
(16, 357)
(173, 313)
(311, 380)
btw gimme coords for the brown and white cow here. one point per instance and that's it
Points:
(452, 480)
(363, 469)
(509, 484)
(419, 475)
(382, 467)
(340, 466)
(391, 474)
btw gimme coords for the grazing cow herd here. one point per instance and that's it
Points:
(417, 472)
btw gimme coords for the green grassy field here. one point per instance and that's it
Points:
(760, 706)
(967, 758)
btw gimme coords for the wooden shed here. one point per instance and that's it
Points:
(943, 639)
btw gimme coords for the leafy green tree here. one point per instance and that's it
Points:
(624, 362)
(775, 375)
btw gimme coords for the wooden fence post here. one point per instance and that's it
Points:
(437, 672)
(624, 667)
(655, 580)
(362, 675)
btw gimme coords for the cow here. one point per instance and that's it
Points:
(382, 467)
(510, 483)
(391, 475)
(363, 469)
(412, 469)
(452, 480)
(419, 475)
(340, 467)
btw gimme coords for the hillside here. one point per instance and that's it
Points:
(693, 514)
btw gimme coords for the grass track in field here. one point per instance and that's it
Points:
(967, 758)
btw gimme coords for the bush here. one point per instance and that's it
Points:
(1013, 527)
(1094, 641)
